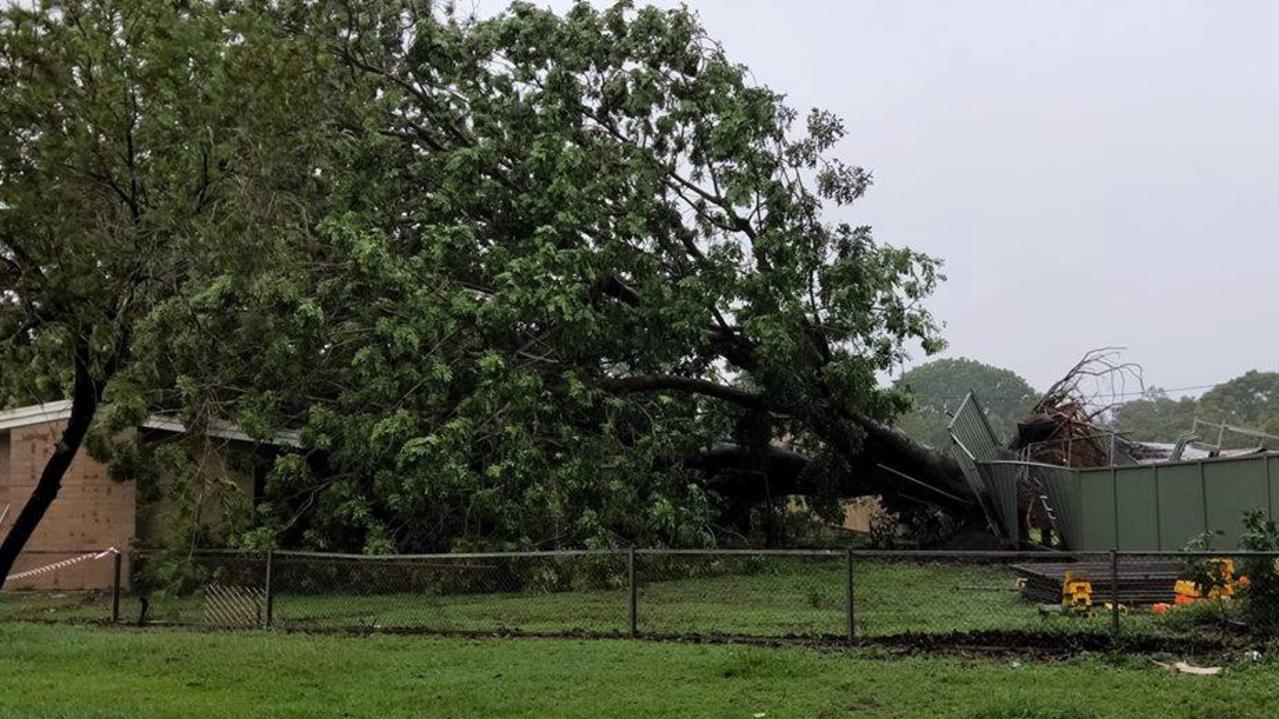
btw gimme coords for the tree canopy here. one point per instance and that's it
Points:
(936, 388)
(1155, 417)
(134, 166)
(1250, 400)
(507, 275)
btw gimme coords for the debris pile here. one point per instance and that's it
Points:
(1067, 428)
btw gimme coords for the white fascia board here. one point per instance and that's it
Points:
(224, 430)
(35, 414)
(61, 410)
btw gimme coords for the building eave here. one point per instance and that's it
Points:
(35, 414)
(223, 430)
(61, 410)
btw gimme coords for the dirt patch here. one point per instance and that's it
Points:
(985, 643)
(1043, 645)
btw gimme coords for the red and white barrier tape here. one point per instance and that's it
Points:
(59, 565)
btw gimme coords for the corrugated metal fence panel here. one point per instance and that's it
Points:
(1272, 474)
(1161, 506)
(1097, 509)
(1003, 479)
(975, 442)
(1234, 486)
(970, 427)
(1062, 487)
(1136, 495)
(1181, 504)
(969, 468)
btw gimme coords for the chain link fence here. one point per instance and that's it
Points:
(545, 592)
(62, 585)
(830, 595)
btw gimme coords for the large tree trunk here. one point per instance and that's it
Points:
(84, 403)
(916, 462)
(881, 460)
(905, 473)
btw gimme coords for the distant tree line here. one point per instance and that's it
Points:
(1250, 400)
(935, 390)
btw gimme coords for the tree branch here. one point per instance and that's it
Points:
(661, 383)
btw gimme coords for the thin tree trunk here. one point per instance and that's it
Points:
(84, 403)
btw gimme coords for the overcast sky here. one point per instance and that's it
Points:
(1093, 173)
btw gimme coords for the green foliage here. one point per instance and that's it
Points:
(1210, 614)
(1250, 401)
(937, 387)
(1205, 572)
(527, 219)
(1256, 601)
(134, 142)
(149, 151)
(464, 257)
(1208, 575)
(1261, 596)
(1156, 417)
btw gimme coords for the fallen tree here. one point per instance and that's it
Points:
(565, 254)
(534, 264)
(1067, 427)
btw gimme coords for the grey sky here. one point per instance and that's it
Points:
(1093, 173)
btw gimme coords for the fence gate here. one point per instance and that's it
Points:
(228, 605)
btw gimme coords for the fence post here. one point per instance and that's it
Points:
(1114, 594)
(633, 590)
(270, 592)
(848, 594)
(115, 587)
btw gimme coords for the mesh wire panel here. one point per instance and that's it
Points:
(543, 593)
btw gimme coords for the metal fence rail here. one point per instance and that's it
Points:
(828, 594)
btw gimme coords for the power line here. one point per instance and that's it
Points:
(1134, 393)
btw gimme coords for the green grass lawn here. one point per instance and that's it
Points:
(49, 671)
(781, 596)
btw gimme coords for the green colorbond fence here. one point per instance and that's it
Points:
(1162, 506)
(1159, 506)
